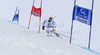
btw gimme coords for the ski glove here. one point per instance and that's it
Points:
(43, 27)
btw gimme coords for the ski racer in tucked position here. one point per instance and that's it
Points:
(50, 27)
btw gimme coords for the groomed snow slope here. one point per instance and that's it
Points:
(16, 40)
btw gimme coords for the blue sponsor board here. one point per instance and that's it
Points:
(83, 15)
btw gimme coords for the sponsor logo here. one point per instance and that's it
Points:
(82, 13)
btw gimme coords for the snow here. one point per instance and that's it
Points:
(16, 40)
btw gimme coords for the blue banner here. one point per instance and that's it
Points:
(83, 15)
(16, 17)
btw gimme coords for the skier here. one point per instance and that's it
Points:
(50, 27)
